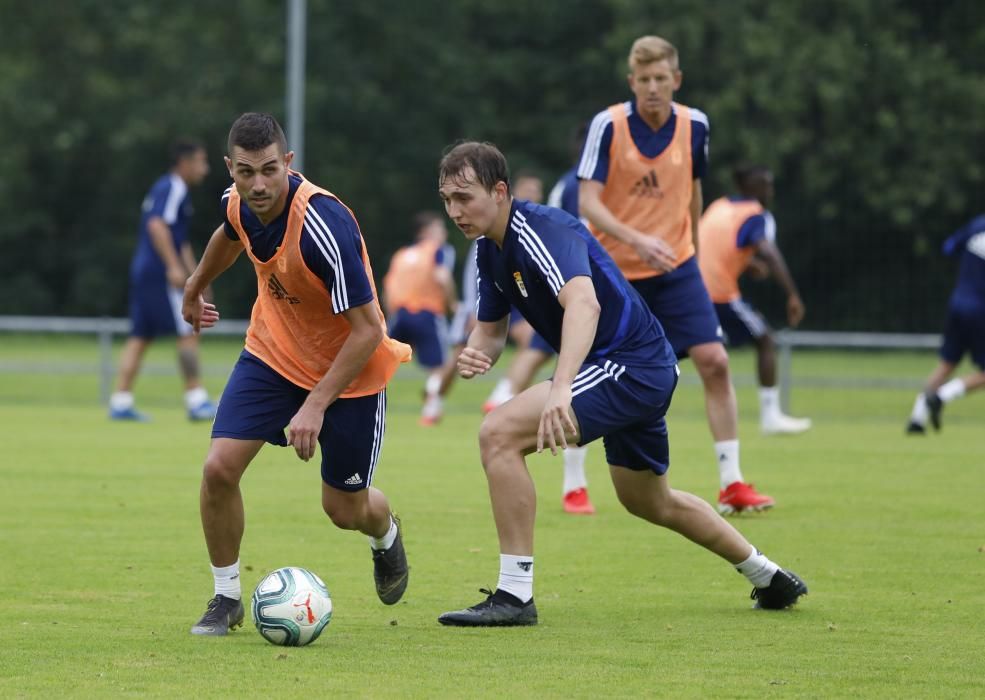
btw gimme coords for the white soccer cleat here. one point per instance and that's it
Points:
(785, 425)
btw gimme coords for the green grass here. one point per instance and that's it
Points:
(103, 567)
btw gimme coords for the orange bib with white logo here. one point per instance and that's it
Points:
(293, 328)
(653, 195)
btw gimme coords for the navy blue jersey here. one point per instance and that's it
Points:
(545, 247)
(564, 194)
(594, 163)
(328, 227)
(167, 200)
(968, 242)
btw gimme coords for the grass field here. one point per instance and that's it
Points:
(103, 567)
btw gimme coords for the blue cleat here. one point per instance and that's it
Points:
(130, 413)
(204, 411)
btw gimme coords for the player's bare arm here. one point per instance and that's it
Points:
(772, 256)
(365, 335)
(160, 238)
(220, 253)
(697, 205)
(486, 343)
(581, 316)
(653, 251)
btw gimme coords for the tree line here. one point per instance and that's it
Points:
(868, 111)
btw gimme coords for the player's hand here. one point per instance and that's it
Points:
(199, 313)
(555, 421)
(177, 276)
(472, 362)
(304, 429)
(795, 310)
(655, 253)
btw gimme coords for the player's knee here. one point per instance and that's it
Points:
(221, 472)
(344, 515)
(712, 365)
(494, 437)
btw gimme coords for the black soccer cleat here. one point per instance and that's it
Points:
(784, 590)
(914, 428)
(934, 406)
(390, 570)
(499, 609)
(223, 614)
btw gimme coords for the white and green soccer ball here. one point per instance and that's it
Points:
(291, 607)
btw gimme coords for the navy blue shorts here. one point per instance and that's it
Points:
(425, 331)
(625, 406)
(681, 303)
(258, 403)
(964, 331)
(740, 322)
(155, 310)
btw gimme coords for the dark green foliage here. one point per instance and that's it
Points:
(868, 110)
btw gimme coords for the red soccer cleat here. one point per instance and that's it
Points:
(577, 502)
(739, 496)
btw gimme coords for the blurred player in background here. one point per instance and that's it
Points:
(640, 174)
(462, 323)
(161, 264)
(964, 330)
(614, 379)
(317, 360)
(735, 232)
(418, 293)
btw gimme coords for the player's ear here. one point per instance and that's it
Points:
(678, 79)
(288, 157)
(229, 165)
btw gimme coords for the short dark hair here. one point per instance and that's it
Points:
(487, 162)
(254, 131)
(746, 173)
(184, 147)
(423, 219)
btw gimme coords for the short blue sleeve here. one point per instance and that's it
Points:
(700, 130)
(331, 246)
(956, 242)
(493, 304)
(594, 161)
(752, 231)
(226, 226)
(558, 253)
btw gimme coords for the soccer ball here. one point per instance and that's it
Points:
(291, 607)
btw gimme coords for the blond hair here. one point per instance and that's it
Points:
(650, 49)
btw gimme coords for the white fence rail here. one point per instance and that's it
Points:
(106, 328)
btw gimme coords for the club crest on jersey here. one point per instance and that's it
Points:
(519, 284)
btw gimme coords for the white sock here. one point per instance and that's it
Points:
(758, 569)
(954, 389)
(502, 393)
(196, 397)
(769, 403)
(385, 542)
(919, 414)
(516, 576)
(227, 580)
(433, 384)
(574, 469)
(121, 400)
(727, 453)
